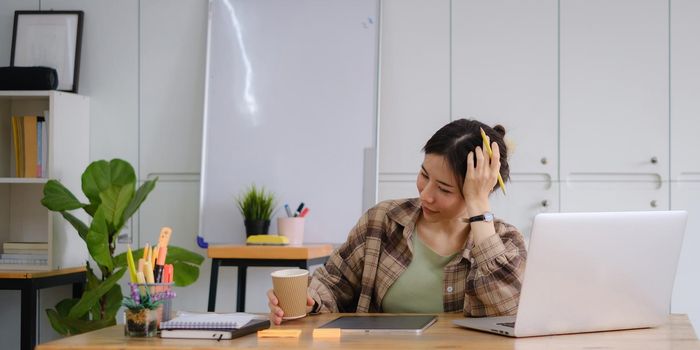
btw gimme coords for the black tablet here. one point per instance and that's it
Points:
(383, 323)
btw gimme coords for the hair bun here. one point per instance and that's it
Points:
(500, 129)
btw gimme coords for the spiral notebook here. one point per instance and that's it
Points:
(209, 320)
(216, 334)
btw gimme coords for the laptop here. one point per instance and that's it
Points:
(415, 324)
(589, 272)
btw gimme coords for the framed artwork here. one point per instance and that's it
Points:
(49, 39)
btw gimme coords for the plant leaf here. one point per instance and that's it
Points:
(176, 253)
(113, 301)
(140, 196)
(91, 297)
(63, 307)
(70, 326)
(58, 198)
(77, 224)
(101, 175)
(185, 274)
(97, 240)
(57, 322)
(114, 200)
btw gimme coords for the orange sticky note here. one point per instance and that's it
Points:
(327, 333)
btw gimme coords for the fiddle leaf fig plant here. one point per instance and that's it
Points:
(110, 187)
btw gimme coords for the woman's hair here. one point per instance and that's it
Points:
(456, 139)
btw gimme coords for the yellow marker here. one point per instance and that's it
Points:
(279, 333)
(130, 263)
(487, 146)
(154, 255)
(146, 251)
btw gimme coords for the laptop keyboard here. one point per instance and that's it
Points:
(507, 324)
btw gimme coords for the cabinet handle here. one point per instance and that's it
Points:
(654, 160)
(653, 203)
(543, 160)
(544, 203)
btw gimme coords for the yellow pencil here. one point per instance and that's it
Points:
(487, 146)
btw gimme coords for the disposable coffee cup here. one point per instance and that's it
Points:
(292, 228)
(290, 288)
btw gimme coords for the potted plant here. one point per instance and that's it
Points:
(113, 198)
(256, 206)
(141, 316)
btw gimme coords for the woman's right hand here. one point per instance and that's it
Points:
(276, 312)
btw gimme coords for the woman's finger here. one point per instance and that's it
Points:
(272, 297)
(479, 160)
(470, 165)
(496, 158)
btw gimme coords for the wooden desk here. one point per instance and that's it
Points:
(28, 283)
(243, 256)
(677, 334)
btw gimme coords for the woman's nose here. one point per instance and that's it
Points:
(426, 194)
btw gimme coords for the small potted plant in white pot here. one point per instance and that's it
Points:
(256, 206)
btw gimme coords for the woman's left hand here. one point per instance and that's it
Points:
(480, 179)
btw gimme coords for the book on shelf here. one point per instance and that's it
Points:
(26, 251)
(26, 245)
(252, 326)
(44, 256)
(12, 261)
(30, 145)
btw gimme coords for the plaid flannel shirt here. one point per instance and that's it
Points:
(484, 280)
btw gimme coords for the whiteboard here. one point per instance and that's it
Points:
(290, 104)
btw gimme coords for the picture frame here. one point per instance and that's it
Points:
(49, 39)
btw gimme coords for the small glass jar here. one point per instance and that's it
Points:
(141, 323)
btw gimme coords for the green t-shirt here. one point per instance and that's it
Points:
(419, 289)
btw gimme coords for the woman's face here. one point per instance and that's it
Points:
(440, 195)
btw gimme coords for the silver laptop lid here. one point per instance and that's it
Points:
(599, 271)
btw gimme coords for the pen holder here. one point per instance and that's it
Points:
(159, 292)
(292, 228)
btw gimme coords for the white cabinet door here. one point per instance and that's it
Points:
(397, 186)
(684, 196)
(504, 71)
(685, 87)
(614, 87)
(526, 198)
(414, 80)
(625, 194)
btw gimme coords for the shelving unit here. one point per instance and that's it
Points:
(22, 217)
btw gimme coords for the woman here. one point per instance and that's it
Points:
(440, 252)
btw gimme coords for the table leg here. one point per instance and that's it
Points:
(28, 317)
(240, 293)
(213, 282)
(78, 288)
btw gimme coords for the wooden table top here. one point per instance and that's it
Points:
(676, 334)
(290, 252)
(19, 274)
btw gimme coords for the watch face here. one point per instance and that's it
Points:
(488, 216)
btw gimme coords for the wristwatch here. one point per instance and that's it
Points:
(487, 217)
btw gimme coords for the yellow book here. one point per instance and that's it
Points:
(30, 146)
(16, 146)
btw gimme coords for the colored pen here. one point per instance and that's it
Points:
(304, 212)
(301, 206)
(158, 269)
(289, 211)
(487, 146)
